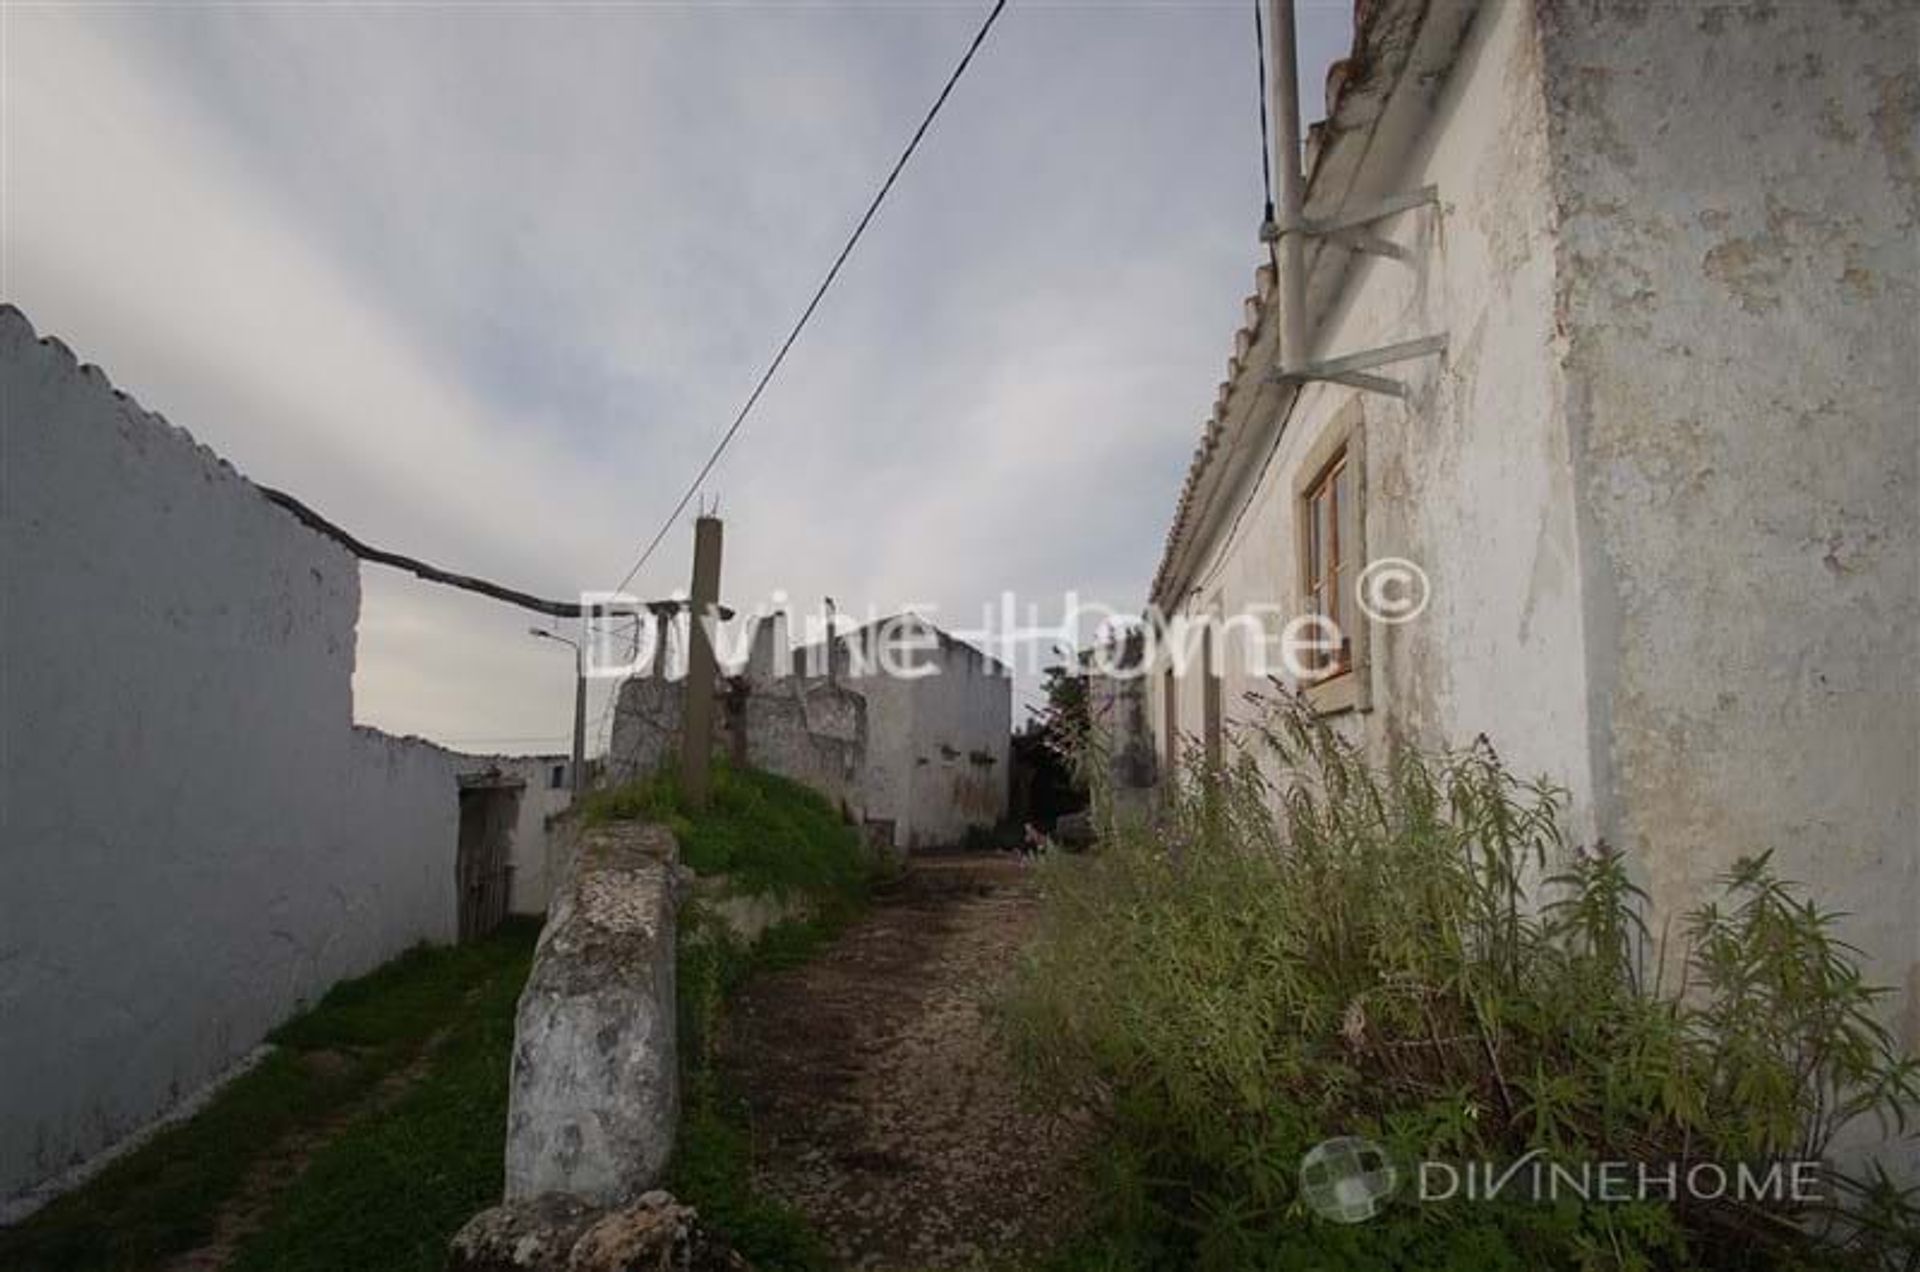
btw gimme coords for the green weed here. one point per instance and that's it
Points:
(1410, 952)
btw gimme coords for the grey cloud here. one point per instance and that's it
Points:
(486, 284)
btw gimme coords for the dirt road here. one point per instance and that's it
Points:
(882, 1107)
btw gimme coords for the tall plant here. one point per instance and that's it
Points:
(1309, 944)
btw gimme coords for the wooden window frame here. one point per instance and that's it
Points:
(1341, 444)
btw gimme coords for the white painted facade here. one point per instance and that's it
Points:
(196, 840)
(548, 793)
(938, 741)
(1663, 481)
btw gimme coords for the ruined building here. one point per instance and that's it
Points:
(920, 758)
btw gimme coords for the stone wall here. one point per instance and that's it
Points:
(594, 1098)
(811, 729)
(924, 756)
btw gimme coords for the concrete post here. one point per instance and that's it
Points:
(696, 734)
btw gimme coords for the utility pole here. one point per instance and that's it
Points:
(577, 769)
(696, 734)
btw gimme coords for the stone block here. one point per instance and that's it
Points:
(552, 1233)
(594, 1095)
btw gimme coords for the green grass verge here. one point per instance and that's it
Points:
(161, 1199)
(764, 832)
(391, 1190)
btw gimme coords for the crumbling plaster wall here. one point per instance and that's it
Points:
(1467, 478)
(1664, 484)
(940, 743)
(541, 805)
(195, 838)
(1737, 291)
(928, 754)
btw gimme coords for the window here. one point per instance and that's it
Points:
(557, 779)
(1330, 513)
(1329, 516)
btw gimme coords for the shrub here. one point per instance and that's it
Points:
(1349, 949)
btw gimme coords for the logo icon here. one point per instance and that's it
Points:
(1347, 1179)
(1393, 590)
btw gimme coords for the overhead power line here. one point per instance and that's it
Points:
(766, 376)
(1266, 147)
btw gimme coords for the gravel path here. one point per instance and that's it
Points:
(883, 1109)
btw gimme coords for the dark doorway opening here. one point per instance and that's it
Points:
(489, 808)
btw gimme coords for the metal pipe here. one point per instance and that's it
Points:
(1289, 258)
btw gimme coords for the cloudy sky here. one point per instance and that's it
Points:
(484, 284)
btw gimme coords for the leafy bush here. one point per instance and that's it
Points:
(1347, 949)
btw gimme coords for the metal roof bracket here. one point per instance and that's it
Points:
(1350, 369)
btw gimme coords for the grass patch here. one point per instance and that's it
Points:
(161, 1199)
(765, 832)
(388, 1194)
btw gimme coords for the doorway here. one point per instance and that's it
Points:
(483, 869)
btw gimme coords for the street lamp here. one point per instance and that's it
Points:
(579, 705)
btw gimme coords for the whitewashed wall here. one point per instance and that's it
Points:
(1738, 281)
(1468, 478)
(195, 840)
(541, 802)
(938, 744)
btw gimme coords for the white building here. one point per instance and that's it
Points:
(938, 737)
(1661, 477)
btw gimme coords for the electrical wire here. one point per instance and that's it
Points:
(859, 229)
(1266, 162)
